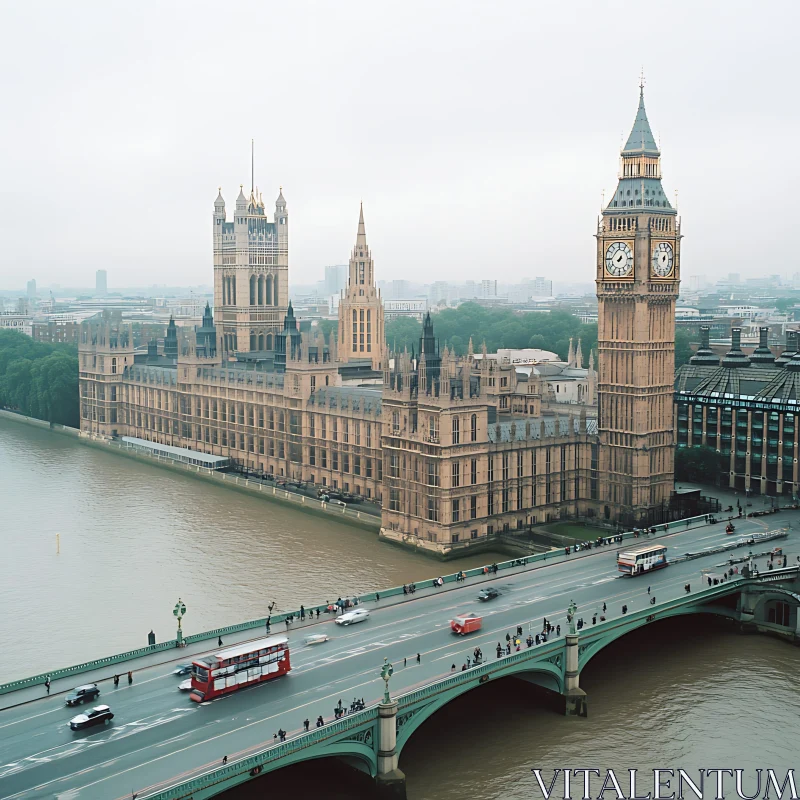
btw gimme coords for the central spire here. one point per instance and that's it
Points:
(361, 237)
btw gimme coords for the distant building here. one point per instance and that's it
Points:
(101, 283)
(392, 309)
(541, 287)
(56, 331)
(488, 288)
(11, 320)
(31, 288)
(335, 279)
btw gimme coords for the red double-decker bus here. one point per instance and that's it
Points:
(244, 665)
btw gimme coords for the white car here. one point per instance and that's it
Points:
(351, 617)
(317, 638)
(185, 686)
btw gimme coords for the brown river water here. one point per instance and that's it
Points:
(133, 537)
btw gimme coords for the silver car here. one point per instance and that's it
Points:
(351, 617)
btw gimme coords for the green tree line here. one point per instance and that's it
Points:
(499, 328)
(39, 379)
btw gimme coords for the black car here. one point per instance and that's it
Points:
(99, 715)
(82, 694)
(488, 594)
(182, 669)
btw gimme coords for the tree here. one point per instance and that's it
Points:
(39, 379)
(683, 348)
(328, 326)
(403, 332)
(697, 464)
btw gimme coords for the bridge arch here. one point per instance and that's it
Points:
(633, 623)
(360, 755)
(765, 607)
(546, 674)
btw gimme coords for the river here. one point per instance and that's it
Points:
(133, 537)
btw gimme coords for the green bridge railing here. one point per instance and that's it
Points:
(170, 644)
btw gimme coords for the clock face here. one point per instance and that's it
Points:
(663, 259)
(619, 260)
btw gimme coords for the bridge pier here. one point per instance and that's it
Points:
(390, 781)
(747, 621)
(575, 704)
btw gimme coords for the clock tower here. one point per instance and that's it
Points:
(638, 274)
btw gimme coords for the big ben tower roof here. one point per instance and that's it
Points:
(641, 139)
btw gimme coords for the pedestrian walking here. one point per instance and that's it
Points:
(405, 661)
(224, 760)
(418, 658)
(47, 684)
(302, 613)
(130, 678)
(219, 641)
(558, 630)
(377, 597)
(116, 681)
(453, 668)
(306, 723)
(468, 661)
(604, 608)
(508, 649)
(508, 637)
(648, 590)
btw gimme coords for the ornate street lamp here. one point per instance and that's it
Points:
(179, 611)
(386, 672)
(571, 617)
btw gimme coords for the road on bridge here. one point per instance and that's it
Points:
(159, 735)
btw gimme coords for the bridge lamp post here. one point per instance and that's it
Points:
(179, 611)
(386, 672)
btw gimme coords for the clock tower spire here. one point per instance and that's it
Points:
(638, 275)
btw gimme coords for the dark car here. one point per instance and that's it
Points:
(99, 715)
(82, 694)
(488, 594)
(182, 669)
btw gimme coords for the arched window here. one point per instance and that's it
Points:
(268, 298)
(268, 342)
(474, 428)
(261, 290)
(252, 290)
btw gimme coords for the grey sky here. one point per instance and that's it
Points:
(478, 134)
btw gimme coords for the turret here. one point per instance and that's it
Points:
(735, 357)
(791, 347)
(762, 355)
(705, 356)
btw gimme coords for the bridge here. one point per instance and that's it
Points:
(167, 747)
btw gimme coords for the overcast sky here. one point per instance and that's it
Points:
(479, 135)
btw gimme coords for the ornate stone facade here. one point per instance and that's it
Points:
(455, 449)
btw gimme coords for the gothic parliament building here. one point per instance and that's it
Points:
(454, 448)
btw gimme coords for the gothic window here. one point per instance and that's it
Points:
(474, 428)
(455, 475)
(456, 431)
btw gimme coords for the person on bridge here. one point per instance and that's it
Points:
(405, 661)
(468, 661)
(624, 609)
(604, 608)
(282, 734)
(320, 721)
(453, 668)
(508, 649)
(648, 590)
(418, 658)
(499, 650)
(224, 760)
(219, 641)
(306, 724)
(688, 587)
(130, 678)
(508, 638)
(653, 600)
(519, 630)
(594, 619)
(116, 681)
(302, 613)
(47, 684)
(558, 630)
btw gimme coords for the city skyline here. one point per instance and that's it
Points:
(536, 166)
